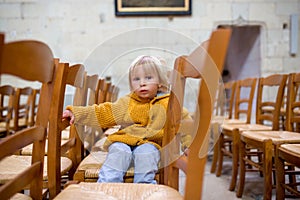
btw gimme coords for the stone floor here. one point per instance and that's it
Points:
(217, 187)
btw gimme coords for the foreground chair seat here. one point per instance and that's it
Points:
(114, 191)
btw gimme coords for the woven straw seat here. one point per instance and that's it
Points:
(90, 167)
(28, 149)
(291, 148)
(277, 137)
(13, 165)
(20, 196)
(114, 191)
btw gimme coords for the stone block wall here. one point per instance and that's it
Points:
(75, 29)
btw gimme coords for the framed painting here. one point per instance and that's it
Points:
(152, 7)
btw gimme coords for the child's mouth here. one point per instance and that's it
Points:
(143, 91)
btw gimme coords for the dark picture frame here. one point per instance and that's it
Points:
(152, 7)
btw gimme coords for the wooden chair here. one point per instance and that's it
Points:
(228, 140)
(293, 103)
(56, 167)
(289, 153)
(225, 106)
(196, 65)
(7, 93)
(88, 169)
(68, 160)
(31, 61)
(260, 143)
(91, 134)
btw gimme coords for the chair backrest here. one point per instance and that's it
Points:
(91, 84)
(34, 105)
(228, 105)
(112, 93)
(73, 76)
(91, 133)
(270, 92)
(21, 107)
(98, 96)
(115, 93)
(102, 89)
(205, 63)
(7, 93)
(109, 93)
(245, 91)
(31, 61)
(293, 103)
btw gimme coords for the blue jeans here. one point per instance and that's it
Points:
(145, 158)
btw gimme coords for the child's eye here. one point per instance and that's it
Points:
(136, 79)
(148, 77)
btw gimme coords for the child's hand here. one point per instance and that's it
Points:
(186, 152)
(67, 114)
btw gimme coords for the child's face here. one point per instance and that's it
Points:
(144, 84)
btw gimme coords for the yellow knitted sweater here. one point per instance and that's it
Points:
(142, 121)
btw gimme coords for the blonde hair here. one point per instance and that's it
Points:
(151, 64)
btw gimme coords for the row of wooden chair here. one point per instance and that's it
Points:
(43, 170)
(69, 142)
(32, 61)
(104, 91)
(254, 143)
(50, 111)
(18, 108)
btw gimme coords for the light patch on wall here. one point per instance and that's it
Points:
(294, 29)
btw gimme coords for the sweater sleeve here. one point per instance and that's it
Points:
(104, 115)
(84, 115)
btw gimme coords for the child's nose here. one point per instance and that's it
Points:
(142, 82)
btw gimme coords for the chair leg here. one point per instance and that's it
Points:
(215, 130)
(220, 155)
(267, 168)
(280, 177)
(292, 177)
(215, 158)
(235, 158)
(242, 170)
